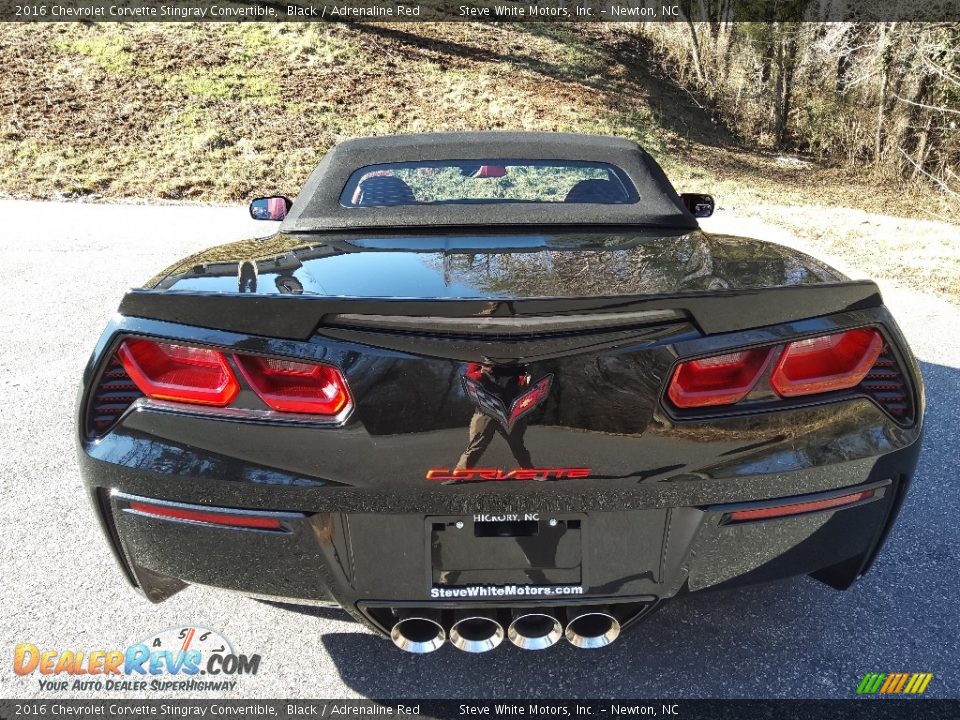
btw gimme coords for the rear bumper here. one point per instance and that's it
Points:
(362, 549)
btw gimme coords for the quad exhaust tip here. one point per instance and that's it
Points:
(534, 630)
(476, 633)
(592, 629)
(421, 631)
(418, 634)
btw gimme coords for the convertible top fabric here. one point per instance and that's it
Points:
(318, 206)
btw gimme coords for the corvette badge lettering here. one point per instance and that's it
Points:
(499, 474)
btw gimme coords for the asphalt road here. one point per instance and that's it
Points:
(64, 268)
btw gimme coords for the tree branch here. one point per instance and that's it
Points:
(928, 107)
(938, 181)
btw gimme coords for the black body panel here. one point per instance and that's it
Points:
(520, 263)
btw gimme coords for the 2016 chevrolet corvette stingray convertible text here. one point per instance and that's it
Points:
(489, 385)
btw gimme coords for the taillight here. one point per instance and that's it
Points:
(853, 359)
(717, 380)
(826, 363)
(296, 387)
(168, 371)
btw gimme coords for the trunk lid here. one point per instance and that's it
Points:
(495, 266)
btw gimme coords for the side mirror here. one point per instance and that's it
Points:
(698, 205)
(274, 207)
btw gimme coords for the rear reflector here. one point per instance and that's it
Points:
(798, 508)
(826, 363)
(166, 371)
(296, 387)
(717, 380)
(171, 512)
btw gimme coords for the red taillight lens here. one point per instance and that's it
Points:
(295, 386)
(166, 371)
(829, 362)
(717, 380)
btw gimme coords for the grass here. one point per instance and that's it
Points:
(221, 112)
(107, 50)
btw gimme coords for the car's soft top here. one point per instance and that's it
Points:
(319, 205)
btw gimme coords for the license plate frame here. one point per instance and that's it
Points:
(501, 549)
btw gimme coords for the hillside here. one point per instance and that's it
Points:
(221, 112)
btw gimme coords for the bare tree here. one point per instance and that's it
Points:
(881, 97)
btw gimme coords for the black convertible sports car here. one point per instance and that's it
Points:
(489, 385)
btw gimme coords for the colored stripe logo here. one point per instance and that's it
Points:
(894, 683)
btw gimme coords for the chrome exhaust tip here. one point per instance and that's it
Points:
(475, 632)
(592, 629)
(418, 633)
(534, 630)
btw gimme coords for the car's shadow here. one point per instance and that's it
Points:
(795, 638)
(324, 612)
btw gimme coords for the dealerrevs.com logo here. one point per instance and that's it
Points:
(178, 659)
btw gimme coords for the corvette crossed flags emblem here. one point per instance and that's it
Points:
(489, 404)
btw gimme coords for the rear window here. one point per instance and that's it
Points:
(465, 182)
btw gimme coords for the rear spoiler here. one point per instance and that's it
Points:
(298, 317)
